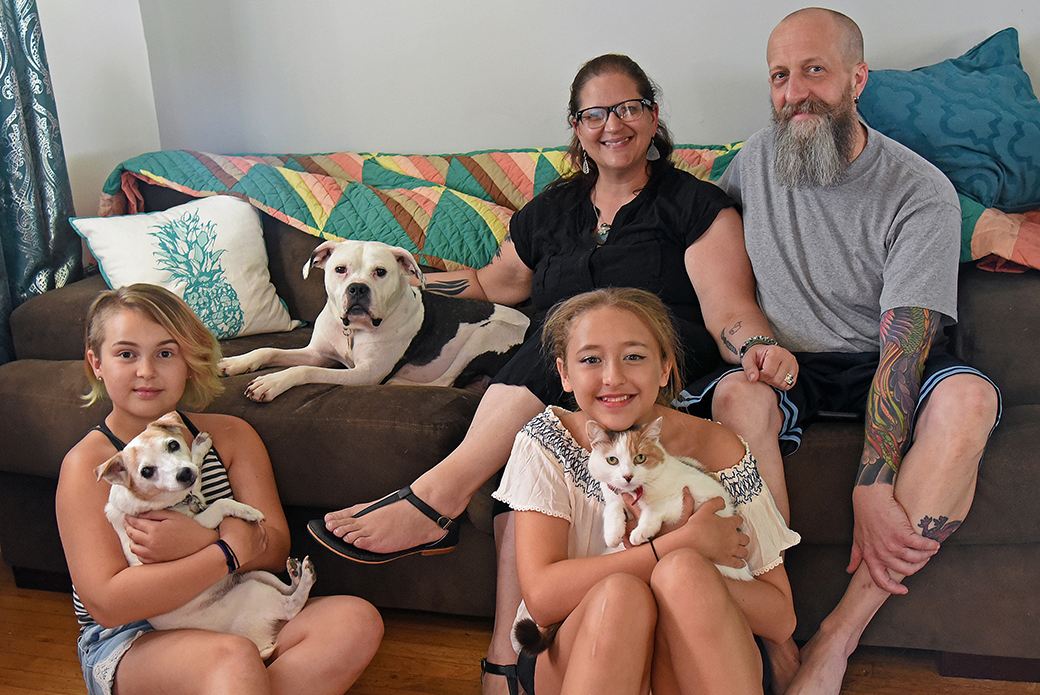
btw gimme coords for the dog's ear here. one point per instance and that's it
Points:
(318, 257)
(114, 471)
(407, 261)
(170, 422)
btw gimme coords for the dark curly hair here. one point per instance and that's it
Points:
(647, 88)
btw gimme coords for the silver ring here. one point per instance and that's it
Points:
(789, 380)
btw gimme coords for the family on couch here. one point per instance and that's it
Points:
(827, 296)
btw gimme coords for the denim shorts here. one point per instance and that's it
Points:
(100, 650)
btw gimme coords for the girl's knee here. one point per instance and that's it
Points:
(351, 622)
(680, 570)
(621, 599)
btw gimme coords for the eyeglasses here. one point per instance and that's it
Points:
(596, 116)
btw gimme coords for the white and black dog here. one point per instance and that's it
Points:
(384, 329)
(157, 470)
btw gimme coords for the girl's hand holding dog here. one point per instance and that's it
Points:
(247, 539)
(162, 536)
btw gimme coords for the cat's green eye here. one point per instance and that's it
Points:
(612, 460)
(639, 458)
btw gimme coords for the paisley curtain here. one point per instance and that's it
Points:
(39, 250)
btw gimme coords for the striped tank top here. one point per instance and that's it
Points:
(215, 486)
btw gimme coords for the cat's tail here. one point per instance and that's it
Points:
(534, 639)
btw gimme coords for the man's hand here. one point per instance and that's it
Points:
(884, 539)
(771, 364)
(162, 536)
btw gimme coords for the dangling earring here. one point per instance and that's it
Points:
(584, 162)
(855, 100)
(652, 153)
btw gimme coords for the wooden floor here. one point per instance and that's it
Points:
(421, 653)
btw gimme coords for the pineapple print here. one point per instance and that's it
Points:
(186, 252)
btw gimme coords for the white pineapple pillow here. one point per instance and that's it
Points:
(210, 252)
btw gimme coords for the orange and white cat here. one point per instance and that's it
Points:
(634, 462)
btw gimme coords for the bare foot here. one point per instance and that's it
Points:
(824, 661)
(784, 662)
(396, 526)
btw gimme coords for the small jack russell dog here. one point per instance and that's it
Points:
(157, 470)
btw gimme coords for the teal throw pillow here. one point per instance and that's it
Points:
(974, 117)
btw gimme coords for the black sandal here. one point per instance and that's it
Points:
(445, 544)
(508, 670)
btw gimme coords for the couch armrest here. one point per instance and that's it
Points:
(51, 326)
(998, 330)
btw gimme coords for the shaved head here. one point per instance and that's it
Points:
(850, 38)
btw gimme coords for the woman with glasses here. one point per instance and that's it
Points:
(625, 217)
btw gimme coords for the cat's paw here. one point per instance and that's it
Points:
(613, 531)
(638, 537)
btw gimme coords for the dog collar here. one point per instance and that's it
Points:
(194, 503)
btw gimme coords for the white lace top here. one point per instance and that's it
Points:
(548, 473)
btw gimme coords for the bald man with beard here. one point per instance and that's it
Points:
(854, 241)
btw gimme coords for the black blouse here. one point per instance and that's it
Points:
(553, 235)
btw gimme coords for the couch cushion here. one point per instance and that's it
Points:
(210, 252)
(975, 117)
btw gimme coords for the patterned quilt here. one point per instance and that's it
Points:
(453, 211)
(450, 211)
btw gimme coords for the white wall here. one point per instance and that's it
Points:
(102, 86)
(434, 76)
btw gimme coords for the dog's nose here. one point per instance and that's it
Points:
(357, 290)
(186, 476)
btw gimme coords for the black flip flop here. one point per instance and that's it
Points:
(445, 544)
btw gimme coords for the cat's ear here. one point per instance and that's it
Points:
(597, 433)
(653, 430)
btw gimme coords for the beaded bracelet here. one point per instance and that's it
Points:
(229, 555)
(753, 341)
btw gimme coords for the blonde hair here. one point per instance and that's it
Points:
(645, 306)
(200, 349)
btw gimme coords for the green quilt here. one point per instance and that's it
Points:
(450, 211)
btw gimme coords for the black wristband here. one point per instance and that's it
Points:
(229, 555)
(654, 549)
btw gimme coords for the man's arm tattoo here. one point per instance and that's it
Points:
(906, 337)
(450, 288)
(725, 341)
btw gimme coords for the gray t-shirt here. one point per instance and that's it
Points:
(829, 261)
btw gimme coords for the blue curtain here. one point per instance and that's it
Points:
(39, 250)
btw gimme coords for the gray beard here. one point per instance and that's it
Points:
(816, 152)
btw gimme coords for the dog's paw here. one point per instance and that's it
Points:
(265, 389)
(200, 447)
(293, 566)
(230, 366)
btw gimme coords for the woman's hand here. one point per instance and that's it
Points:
(771, 364)
(164, 535)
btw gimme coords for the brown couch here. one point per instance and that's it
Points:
(332, 446)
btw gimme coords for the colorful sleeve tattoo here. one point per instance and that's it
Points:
(906, 337)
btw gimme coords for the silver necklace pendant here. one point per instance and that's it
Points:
(602, 233)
